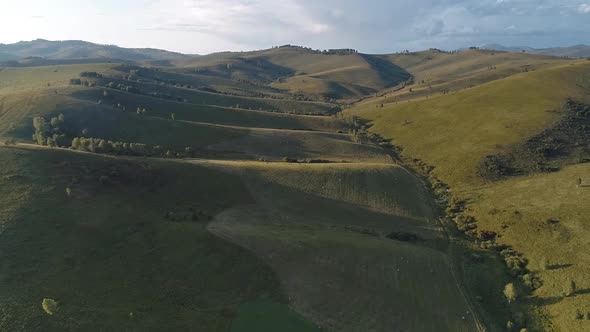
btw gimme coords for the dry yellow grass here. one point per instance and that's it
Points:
(454, 132)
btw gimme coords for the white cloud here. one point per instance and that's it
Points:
(203, 26)
(235, 19)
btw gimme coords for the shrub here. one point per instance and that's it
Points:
(50, 306)
(510, 292)
(531, 281)
(509, 325)
(51, 142)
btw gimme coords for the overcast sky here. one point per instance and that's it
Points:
(371, 26)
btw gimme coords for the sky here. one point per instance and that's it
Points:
(370, 26)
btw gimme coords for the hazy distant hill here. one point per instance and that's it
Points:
(576, 51)
(75, 49)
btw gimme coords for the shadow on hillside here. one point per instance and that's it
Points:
(546, 300)
(559, 266)
(582, 292)
(387, 71)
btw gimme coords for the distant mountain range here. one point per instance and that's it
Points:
(576, 51)
(42, 51)
(76, 49)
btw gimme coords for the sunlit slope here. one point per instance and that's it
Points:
(545, 216)
(436, 72)
(541, 216)
(454, 132)
(17, 79)
(435, 67)
(323, 229)
(108, 254)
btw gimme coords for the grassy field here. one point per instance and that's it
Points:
(19, 79)
(323, 230)
(106, 253)
(330, 76)
(519, 210)
(454, 132)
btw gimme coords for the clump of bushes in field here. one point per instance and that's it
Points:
(49, 133)
(97, 145)
(50, 306)
(90, 74)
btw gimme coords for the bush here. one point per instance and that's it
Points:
(509, 325)
(510, 292)
(50, 306)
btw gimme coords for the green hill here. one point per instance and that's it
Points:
(345, 75)
(539, 216)
(114, 253)
(437, 72)
(77, 49)
(225, 192)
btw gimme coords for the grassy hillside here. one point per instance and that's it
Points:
(286, 222)
(333, 76)
(111, 267)
(206, 113)
(435, 72)
(104, 122)
(545, 217)
(75, 49)
(454, 132)
(16, 79)
(539, 216)
(323, 230)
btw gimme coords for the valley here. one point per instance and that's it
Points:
(293, 190)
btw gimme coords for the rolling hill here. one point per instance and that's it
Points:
(77, 49)
(186, 149)
(576, 51)
(327, 76)
(454, 139)
(229, 192)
